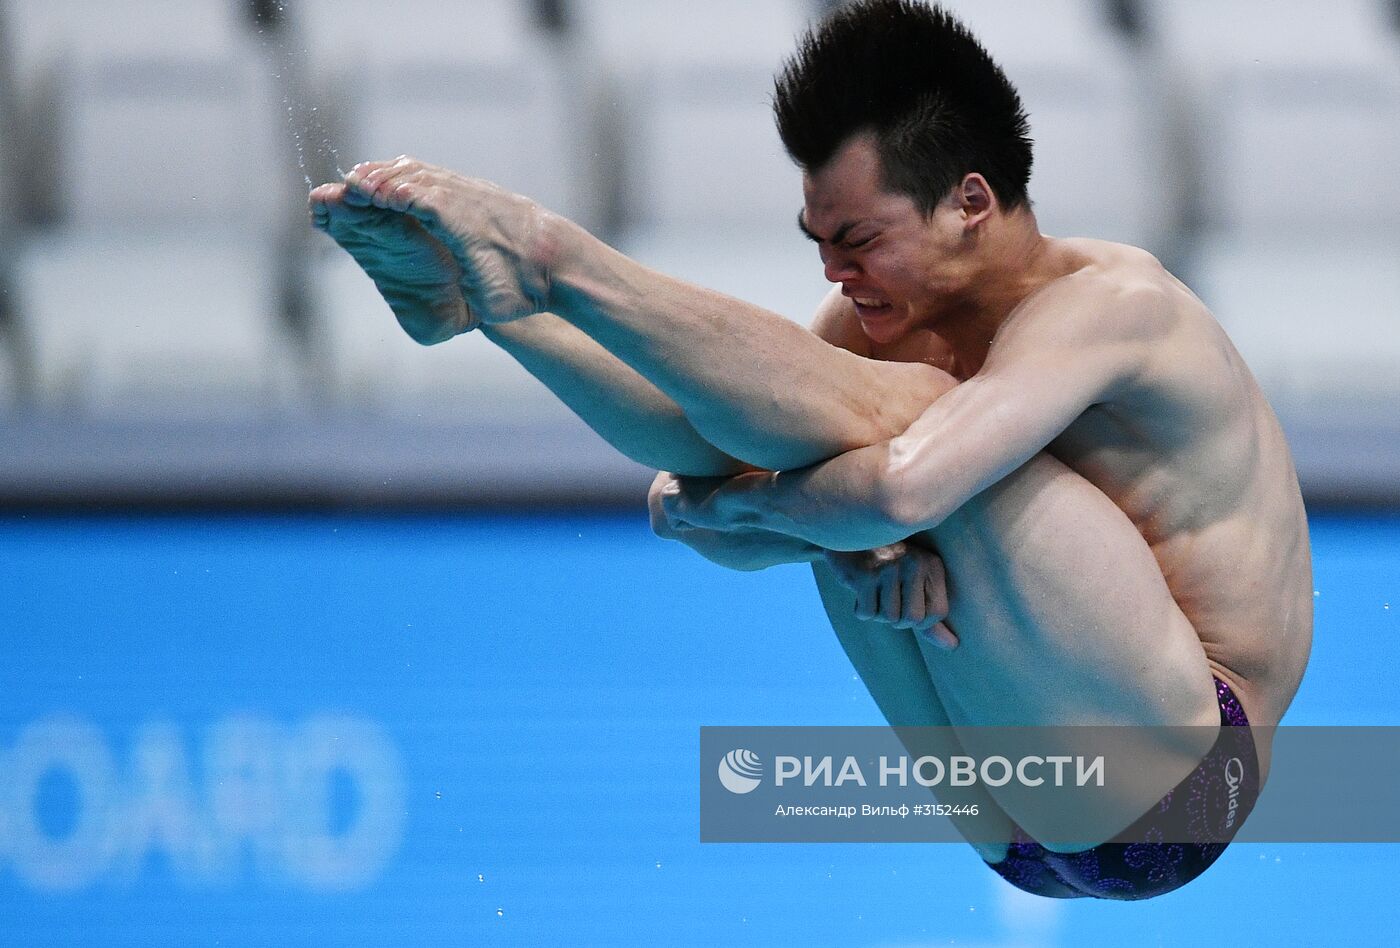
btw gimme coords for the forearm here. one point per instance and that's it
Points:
(751, 382)
(860, 500)
(629, 412)
(748, 550)
(848, 503)
(877, 495)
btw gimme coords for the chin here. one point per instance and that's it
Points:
(884, 332)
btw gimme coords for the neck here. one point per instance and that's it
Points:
(1014, 260)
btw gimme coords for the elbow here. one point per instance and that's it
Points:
(904, 501)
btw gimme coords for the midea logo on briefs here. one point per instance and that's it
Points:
(1234, 776)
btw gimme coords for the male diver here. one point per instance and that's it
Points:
(1058, 423)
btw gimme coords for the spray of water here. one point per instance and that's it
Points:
(306, 122)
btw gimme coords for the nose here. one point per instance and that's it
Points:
(839, 266)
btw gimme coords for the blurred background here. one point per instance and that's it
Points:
(174, 332)
(315, 636)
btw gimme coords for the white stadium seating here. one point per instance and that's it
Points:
(1298, 137)
(155, 295)
(155, 154)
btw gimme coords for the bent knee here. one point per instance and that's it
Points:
(915, 386)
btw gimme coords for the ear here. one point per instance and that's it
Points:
(976, 200)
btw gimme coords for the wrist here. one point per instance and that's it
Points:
(743, 503)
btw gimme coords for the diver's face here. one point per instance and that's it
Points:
(899, 266)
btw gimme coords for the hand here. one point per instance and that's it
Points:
(664, 484)
(901, 585)
(712, 503)
(497, 239)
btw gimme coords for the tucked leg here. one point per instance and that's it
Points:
(1065, 619)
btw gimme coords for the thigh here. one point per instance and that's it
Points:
(1064, 618)
(888, 662)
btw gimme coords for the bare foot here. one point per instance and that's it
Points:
(416, 274)
(497, 238)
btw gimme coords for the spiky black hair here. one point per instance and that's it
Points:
(913, 76)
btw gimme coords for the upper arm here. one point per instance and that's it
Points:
(1074, 348)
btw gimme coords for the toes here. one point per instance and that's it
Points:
(400, 196)
(355, 196)
(361, 181)
(363, 170)
(321, 200)
(326, 193)
(374, 182)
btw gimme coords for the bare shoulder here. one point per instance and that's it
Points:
(1137, 297)
(1109, 313)
(1113, 293)
(836, 322)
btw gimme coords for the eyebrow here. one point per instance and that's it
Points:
(836, 238)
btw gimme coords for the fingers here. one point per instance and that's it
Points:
(913, 600)
(891, 594)
(897, 586)
(674, 504)
(888, 554)
(661, 525)
(683, 501)
(940, 636)
(935, 586)
(867, 601)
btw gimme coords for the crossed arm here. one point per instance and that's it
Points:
(716, 372)
(1049, 364)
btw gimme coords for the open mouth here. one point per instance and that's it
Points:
(870, 308)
